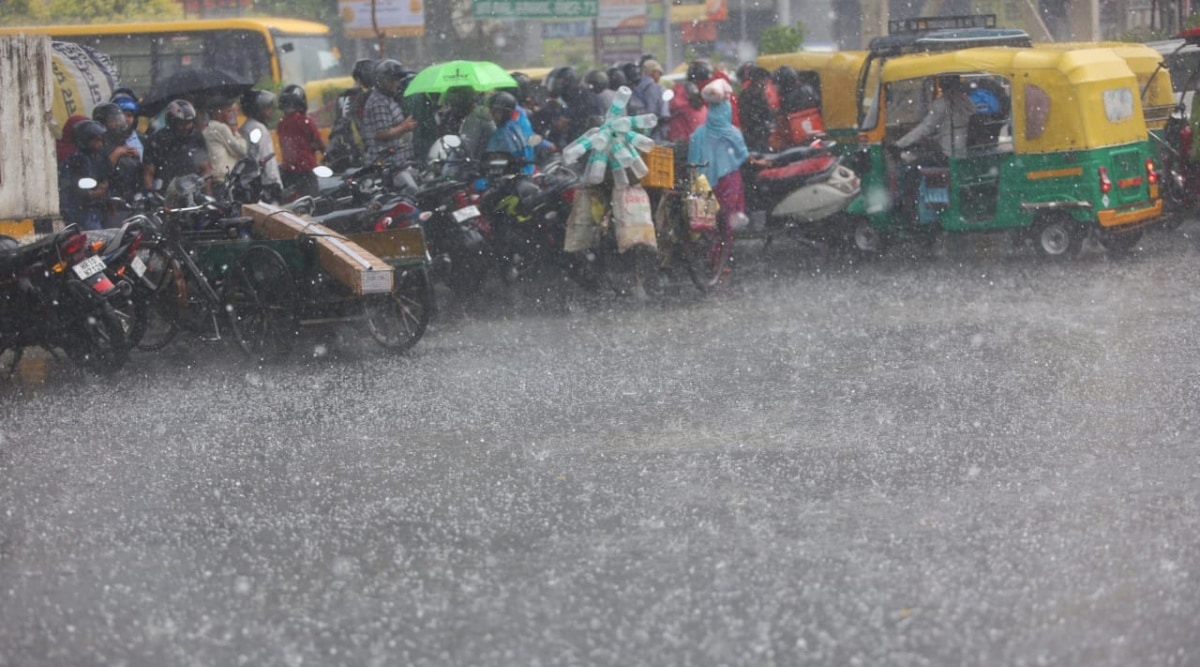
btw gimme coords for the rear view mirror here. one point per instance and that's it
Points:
(534, 140)
(451, 141)
(322, 171)
(668, 95)
(87, 183)
(255, 135)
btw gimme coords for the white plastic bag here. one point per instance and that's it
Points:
(632, 218)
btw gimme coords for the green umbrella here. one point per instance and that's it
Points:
(478, 75)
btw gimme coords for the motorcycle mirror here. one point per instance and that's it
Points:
(255, 135)
(87, 183)
(451, 141)
(534, 140)
(668, 95)
(322, 171)
(157, 184)
(425, 215)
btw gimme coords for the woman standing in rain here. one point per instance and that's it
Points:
(720, 146)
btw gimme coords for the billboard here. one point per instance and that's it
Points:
(394, 18)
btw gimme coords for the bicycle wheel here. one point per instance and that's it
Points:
(158, 311)
(262, 304)
(706, 253)
(398, 320)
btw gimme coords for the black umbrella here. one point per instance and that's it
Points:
(195, 81)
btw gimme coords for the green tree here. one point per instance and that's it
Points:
(323, 11)
(84, 11)
(782, 38)
(21, 11)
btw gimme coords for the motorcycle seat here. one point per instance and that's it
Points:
(344, 220)
(13, 259)
(798, 153)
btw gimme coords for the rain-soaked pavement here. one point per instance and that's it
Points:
(977, 460)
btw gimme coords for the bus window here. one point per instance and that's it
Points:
(176, 52)
(243, 52)
(134, 56)
(303, 59)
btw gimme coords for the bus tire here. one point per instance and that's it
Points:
(1058, 237)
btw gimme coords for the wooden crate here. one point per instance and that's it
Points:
(349, 263)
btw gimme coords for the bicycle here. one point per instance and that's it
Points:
(703, 247)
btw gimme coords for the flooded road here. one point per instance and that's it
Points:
(979, 459)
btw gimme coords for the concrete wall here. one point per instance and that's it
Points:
(28, 169)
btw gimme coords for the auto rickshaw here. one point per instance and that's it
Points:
(1057, 149)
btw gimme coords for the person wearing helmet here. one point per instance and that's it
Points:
(756, 107)
(387, 130)
(687, 110)
(464, 116)
(259, 106)
(124, 163)
(299, 141)
(346, 144)
(582, 105)
(86, 208)
(225, 145)
(509, 136)
(176, 149)
(130, 108)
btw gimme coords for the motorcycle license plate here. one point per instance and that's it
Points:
(466, 213)
(139, 267)
(88, 267)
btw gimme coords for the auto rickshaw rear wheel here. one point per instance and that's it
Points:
(1058, 237)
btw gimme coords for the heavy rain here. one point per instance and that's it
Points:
(907, 405)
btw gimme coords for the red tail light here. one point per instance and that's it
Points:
(1151, 172)
(1105, 183)
(73, 245)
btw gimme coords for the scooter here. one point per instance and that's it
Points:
(802, 190)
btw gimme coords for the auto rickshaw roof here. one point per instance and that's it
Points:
(945, 33)
(1075, 66)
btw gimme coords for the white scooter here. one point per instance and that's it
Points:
(802, 190)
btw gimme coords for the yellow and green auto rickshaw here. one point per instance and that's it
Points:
(1056, 149)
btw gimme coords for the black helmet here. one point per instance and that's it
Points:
(523, 85)
(389, 69)
(86, 131)
(693, 95)
(596, 80)
(256, 102)
(616, 78)
(293, 98)
(786, 78)
(107, 111)
(503, 102)
(699, 71)
(632, 72)
(364, 72)
(180, 111)
(566, 79)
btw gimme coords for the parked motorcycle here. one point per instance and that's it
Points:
(55, 293)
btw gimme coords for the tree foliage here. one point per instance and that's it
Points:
(323, 11)
(782, 38)
(87, 11)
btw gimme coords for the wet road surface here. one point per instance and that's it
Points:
(979, 459)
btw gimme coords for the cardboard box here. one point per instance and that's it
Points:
(348, 263)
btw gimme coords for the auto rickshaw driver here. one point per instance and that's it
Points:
(941, 134)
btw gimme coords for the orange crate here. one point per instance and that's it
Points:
(661, 161)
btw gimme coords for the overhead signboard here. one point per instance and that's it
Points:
(688, 11)
(622, 16)
(535, 9)
(393, 18)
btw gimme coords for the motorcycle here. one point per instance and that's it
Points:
(55, 293)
